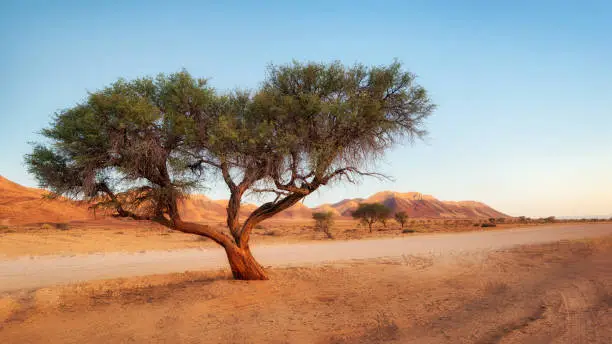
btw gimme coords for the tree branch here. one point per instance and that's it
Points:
(265, 211)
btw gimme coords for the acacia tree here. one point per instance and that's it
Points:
(370, 213)
(151, 140)
(401, 217)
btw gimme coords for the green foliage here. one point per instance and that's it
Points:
(129, 136)
(370, 213)
(401, 217)
(142, 144)
(310, 124)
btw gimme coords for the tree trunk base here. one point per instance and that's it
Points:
(244, 266)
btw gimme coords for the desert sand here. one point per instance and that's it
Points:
(69, 277)
(553, 293)
(36, 272)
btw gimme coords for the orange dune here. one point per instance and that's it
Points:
(20, 204)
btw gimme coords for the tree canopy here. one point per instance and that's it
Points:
(401, 217)
(141, 145)
(370, 213)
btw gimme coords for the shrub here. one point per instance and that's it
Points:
(323, 222)
(408, 230)
(488, 225)
(62, 226)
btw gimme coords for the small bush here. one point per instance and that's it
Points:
(408, 230)
(323, 222)
(62, 226)
(4, 227)
(496, 287)
(476, 224)
(271, 233)
(488, 225)
(46, 226)
(386, 329)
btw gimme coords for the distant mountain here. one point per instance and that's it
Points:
(20, 205)
(417, 205)
(597, 217)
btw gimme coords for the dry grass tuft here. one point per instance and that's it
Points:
(385, 329)
(496, 287)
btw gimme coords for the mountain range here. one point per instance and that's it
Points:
(22, 205)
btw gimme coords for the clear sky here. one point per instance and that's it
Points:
(524, 88)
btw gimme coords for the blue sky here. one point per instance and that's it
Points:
(524, 88)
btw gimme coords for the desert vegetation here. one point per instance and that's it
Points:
(401, 217)
(139, 146)
(371, 213)
(323, 222)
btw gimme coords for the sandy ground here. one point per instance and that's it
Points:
(553, 293)
(124, 235)
(35, 272)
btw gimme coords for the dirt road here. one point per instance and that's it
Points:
(36, 272)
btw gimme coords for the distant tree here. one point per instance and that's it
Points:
(401, 218)
(323, 222)
(141, 145)
(370, 213)
(522, 219)
(549, 219)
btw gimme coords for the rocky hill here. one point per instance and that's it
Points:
(417, 205)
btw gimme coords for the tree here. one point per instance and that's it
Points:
(141, 145)
(550, 219)
(401, 217)
(323, 222)
(370, 213)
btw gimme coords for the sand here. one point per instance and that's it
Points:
(36, 272)
(553, 293)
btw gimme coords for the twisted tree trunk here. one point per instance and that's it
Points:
(241, 260)
(243, 264)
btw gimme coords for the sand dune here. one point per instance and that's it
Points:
(20, 204)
